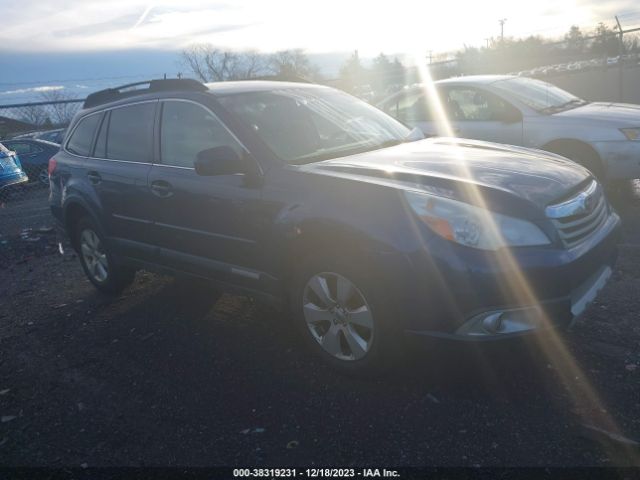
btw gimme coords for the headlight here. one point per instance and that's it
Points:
(473, 226)
(631, 133)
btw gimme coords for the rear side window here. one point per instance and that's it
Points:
(82, 137)
(130, 133)
(186, 130)
(101, 143)
(24, 148)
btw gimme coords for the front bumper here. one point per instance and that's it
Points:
(484, 300)
(514, 322)
(14, 179)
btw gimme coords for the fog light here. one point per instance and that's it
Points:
(503, 322)
(493, 322)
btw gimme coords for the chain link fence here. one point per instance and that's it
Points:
(25, 221)
(25, 225)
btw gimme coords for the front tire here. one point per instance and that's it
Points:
(99, 265)
(343, 317)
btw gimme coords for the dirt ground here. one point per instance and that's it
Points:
(175, 373)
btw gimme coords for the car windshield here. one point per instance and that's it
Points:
(304, 125)
(541, 96)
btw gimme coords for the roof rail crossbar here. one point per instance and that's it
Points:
(130, 89)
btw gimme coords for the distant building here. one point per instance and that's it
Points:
(10, 126)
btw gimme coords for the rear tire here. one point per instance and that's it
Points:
(43, 176)
(344, 316)
(100, 266)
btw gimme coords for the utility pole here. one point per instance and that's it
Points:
(501, 21)
(620, 60)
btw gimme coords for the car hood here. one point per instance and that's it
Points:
(532, 175)
(622, 114)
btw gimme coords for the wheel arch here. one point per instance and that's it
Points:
(563, 147)
(324, 238)
(74, 210)
(337, 240)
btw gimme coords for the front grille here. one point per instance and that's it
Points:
(580, 217)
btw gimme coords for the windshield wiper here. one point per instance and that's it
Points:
(344, 152)
(577, 102)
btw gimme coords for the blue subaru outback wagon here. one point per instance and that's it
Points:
(304, 194)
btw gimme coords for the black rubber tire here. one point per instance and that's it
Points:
(384, 352)
(41, 171)
(119, 276)
(583, 155)
(34, 176)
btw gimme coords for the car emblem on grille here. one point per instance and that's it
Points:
(583, 203)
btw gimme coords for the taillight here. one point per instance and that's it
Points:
(52, 165)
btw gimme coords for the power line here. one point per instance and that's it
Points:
(629, 14)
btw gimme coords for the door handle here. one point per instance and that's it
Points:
(94, 177)
(162, 189)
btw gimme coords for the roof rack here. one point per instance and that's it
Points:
(132, 89)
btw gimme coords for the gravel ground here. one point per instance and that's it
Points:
(175, 373)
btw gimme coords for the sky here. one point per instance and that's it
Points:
(86, 39)
(315, 25)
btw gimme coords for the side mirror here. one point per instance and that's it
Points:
(219, 161)
(510, 115)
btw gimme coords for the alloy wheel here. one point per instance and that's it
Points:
(94, 256)
(43, 176)
(338, 316)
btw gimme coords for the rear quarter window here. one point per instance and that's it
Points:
(81, 139)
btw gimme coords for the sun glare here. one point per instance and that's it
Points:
(586, 401)
(329, 26)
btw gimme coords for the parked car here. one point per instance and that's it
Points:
(604, 137)
(11, 172)
(34, 155)
(308, 196)
(54, 136)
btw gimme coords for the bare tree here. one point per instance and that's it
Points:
(211, 64)
(292, 64)
(59, 113)
(575, 39)
(353, 74)
(255, 64)
(33, 114)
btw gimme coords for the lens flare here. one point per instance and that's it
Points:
(586, 401)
